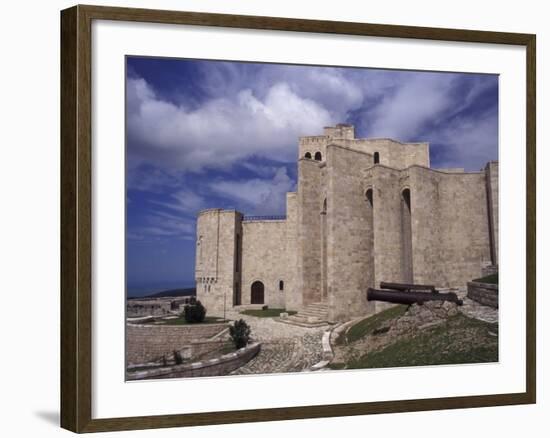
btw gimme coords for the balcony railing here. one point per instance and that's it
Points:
(264, 218)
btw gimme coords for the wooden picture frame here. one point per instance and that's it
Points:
(76, 217)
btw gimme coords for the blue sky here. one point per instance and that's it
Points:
(204, 134)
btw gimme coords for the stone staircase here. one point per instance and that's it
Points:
(313, 315)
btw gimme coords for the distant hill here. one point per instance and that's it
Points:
(186, 292)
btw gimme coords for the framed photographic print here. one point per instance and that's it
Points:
(325, 218)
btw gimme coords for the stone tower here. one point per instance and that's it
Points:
(218, 259)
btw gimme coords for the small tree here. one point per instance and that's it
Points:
(178, 357)
(240, 333)
(194, 313)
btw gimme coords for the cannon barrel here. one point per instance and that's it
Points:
(402, 297)
(408, 287)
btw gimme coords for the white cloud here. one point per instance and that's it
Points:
(162, 225)
(185, 201)
(403, 112)
(265, 196)
(470, 142)
(222, 131)
(150, 179)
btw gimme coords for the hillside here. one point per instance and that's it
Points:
(185, 292)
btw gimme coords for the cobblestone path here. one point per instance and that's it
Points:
(285, 348)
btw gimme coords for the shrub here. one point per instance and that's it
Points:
(177, 357)
(240, 333)
(194, 313)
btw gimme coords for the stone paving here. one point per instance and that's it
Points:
(285, 348)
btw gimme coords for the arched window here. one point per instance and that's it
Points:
(281, 285)
(376, 158)
(407, 198)
(308, 155)
(370, 197)
(237, 253)
(318, 156)
(406, 237)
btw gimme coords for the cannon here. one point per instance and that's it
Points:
(408, 287)
(404, 297)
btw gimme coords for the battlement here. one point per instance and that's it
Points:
(210, 211)
(341, 130)
(313, 140)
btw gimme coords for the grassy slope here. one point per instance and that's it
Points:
(459, 340)
(490, 279)
(368, 325)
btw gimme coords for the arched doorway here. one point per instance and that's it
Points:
(257, 293)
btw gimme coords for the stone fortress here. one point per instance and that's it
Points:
(365, 211)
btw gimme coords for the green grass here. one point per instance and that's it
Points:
(180, 320)
(459, 340)
(490, 279)
(368, 325)
(267, 313)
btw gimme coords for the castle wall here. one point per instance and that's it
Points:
(465, 242)
(312, 145)
(386, 186)
(491, 171)
(450, 226)
(215, 260)
(443, 234)
(309, 226)
(392, 153)
(264, 258)
(426, 223)
(347, 239)
(293, 295)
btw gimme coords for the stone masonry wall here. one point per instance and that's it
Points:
(309, 226)
(483, 293)
(137, 308)
(386, 186)
(491, 171)
(392, 153)
(293, 296)
(427, 238)
(465, 242)
(215, 266)
(347, 242)
(265, 259)
(150, 342)
(450, 226)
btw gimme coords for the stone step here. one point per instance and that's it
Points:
(301, 322)
(317, 306)
(319, 314)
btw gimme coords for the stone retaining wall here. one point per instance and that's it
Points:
(483, 293)
(147, 342)
(138, 308)
(489, 270)
(219, 366)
